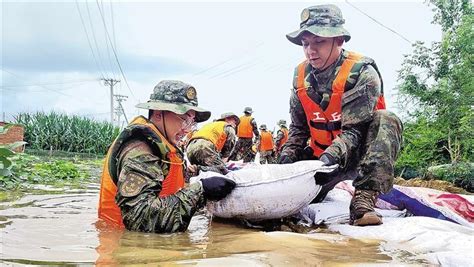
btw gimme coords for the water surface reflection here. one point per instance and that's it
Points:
(63, 229)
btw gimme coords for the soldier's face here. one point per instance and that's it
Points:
(321, 51)
(232, 122)
(177, 126)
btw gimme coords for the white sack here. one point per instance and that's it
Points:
(267, 191)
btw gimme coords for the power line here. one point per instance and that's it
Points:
(379, 23)
(93, 36)
(113, 24)
(58, 83)
(89, 41)
(39, 91)
(115, 53)
(228, 60)
(101, 8)
(54, 90)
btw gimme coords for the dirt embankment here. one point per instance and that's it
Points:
(435, 184)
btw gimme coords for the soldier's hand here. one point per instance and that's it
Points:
(193, 168)
(217, 188)
(324, 177)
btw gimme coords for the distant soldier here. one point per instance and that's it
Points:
(210, 146)
(142, 184)
(245, 132)
(337, 102)
(281, 138)
(265, 145)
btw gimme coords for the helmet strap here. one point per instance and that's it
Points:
(164, 126)
(330, 53)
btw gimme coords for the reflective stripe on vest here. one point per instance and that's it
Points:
(245, 129)
(266, 141)
(213, 132)
(108, 209)
(325, 125)
(285, 137)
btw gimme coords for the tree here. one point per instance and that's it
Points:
(437, 88)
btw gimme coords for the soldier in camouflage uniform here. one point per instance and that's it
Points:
(245, 132)
(142, 185)
(265, 145)
(337, 103)
(210, 147)
(281, 138)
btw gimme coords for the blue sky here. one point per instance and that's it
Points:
(234, 53)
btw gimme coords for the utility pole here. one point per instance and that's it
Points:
(111, 83)
(119, 110)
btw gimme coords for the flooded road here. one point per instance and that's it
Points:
(62, 228)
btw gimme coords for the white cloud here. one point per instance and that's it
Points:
(236, 54)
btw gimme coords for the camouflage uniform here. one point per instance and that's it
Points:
(279, 138)
(139, 160)
(203, 152)
(243, 147)
(141, 173)
(266, 157)
(370, 140)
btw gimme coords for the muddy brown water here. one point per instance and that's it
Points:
(62, 229)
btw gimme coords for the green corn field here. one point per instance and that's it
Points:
(57, 131)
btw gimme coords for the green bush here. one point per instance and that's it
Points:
(58, 170)
(460, 174)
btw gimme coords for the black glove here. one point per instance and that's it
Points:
(307, 153)
(325, 177)
(285, 159)
(217, 188)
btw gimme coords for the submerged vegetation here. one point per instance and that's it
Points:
(28, 170)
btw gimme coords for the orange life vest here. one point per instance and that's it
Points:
(213, 132)
(285, 137)
(266, 141)
(325, 125)
(108, 209)
(245, 128)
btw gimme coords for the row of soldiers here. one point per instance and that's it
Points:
(232, 138)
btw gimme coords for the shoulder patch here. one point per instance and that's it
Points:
(132, 185)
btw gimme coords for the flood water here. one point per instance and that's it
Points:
(61, 228)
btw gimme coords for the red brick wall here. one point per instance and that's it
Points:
(15, 133)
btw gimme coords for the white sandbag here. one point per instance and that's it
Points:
(268, 191)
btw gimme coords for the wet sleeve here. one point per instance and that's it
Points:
(299, 131)
(357, 112)
(140, 182)
(229, 142)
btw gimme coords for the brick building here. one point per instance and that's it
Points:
(15, 133)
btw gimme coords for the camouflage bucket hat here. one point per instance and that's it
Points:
(281, 123)
(177, 97)
(263, 127)
(320, 20)
(248, 110)
(229, 115)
